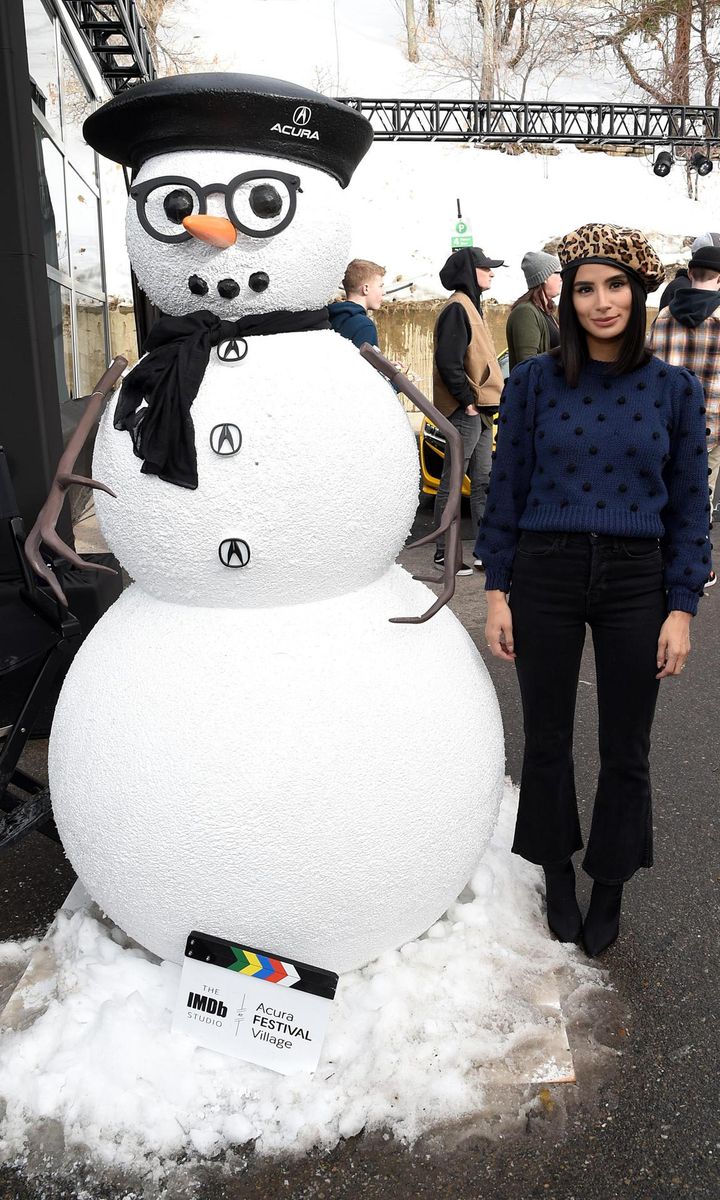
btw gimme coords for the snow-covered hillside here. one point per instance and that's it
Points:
(404, 195)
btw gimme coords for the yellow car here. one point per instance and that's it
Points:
(432, 447)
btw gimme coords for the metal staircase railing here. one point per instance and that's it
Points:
(115, 35)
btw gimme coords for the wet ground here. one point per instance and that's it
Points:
(642, 1121)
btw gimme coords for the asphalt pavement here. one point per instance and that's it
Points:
(642, 1121)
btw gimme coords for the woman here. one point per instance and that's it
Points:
(532, 326)
(597, 512)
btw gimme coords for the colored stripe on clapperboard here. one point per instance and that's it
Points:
(258, 964)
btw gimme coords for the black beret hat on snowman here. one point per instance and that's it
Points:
(229, 111)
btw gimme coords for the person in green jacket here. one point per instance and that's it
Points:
(531, 326)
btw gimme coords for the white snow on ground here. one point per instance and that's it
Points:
(416, 1038)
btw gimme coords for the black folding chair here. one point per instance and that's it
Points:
(38, 638)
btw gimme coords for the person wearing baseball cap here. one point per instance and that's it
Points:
(597, 515)
(467, 380)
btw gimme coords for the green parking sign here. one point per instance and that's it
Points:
(461, 235)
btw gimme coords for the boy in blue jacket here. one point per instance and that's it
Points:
(364, 286)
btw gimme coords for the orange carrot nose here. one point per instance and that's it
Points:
(216, 231)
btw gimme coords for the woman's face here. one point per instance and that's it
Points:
(552, 285)
(602, 299)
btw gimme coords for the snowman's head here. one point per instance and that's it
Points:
(236, 202)
(236, 233)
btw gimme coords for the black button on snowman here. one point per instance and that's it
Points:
(232, 350)
(250, 762)
(225, 439)
(234, 552)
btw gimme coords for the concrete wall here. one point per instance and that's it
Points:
(123, 338)
(405, 330)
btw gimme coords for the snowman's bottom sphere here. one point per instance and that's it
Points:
(310, 780)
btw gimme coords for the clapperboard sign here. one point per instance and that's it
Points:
(253, 1005)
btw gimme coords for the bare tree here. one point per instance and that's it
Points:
(406, 12)
(411, 25)
(506, 47)
(543, 40)
(487, 11)
(171, 56)
(669, 48)
(454, 52)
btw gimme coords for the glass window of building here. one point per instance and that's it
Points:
(51, 170)
(90, 333)
(61, 317)
(77, 104)
(42, 52)
(69, 183)
(69, 188)
(84, 221)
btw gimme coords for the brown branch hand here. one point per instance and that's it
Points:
(450, 522)
(44, 531)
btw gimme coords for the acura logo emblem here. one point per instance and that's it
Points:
(233, 552)
(302, 115)
(225, 439)
(234, 350)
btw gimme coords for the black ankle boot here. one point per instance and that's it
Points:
(602, 923)
(563, 914)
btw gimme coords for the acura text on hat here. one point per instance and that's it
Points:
(301, 118)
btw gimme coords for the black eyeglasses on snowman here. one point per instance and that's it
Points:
(258, 209)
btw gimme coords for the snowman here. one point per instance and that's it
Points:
(245, 744)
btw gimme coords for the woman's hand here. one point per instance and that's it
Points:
(472, 411)
(499, 627)
(673, 644)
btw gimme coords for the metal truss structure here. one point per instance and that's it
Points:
(498, 122)
(115, 36)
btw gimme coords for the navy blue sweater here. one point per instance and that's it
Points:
(623, 455)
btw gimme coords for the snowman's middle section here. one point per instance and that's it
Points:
(308, 480)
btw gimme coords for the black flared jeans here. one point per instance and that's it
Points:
(560, 584)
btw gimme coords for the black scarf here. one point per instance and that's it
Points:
(167, 379)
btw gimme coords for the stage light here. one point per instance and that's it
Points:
(663, 164)
(701, 163)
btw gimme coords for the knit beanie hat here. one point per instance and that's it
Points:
(705, 239)
(537, 267)
(628, 248)
(707, 257)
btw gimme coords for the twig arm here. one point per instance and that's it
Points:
(450, 522)
(44, 529)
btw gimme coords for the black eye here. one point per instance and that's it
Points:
(265, 201)
(178, 204)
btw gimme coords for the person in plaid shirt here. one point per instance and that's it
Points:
(687, 334)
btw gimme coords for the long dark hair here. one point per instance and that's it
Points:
(536, 296)
(573, 350)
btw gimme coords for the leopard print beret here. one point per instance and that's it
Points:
(613, 243)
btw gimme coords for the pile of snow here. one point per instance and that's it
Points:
(403, 207)
(416, 1038)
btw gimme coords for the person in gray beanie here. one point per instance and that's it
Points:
(531, 326)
